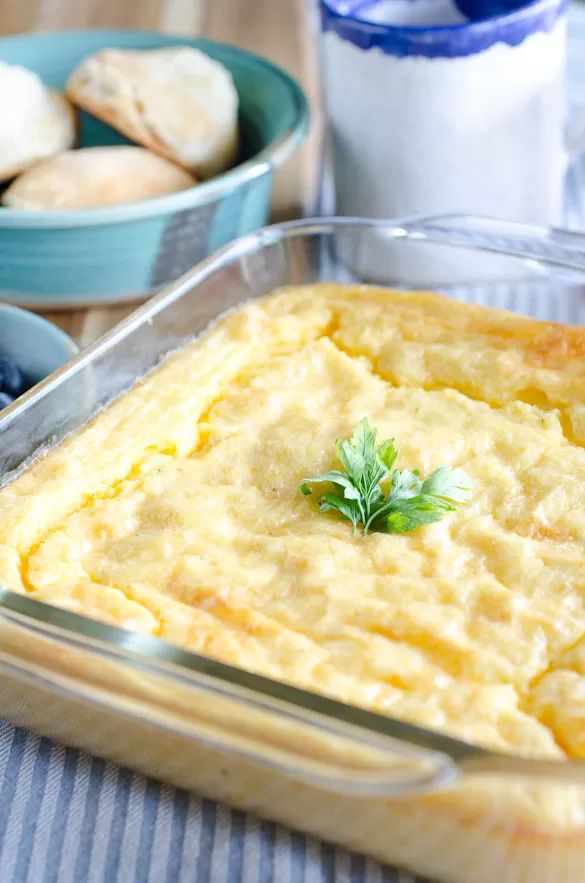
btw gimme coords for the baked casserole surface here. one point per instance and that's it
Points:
(176, 512)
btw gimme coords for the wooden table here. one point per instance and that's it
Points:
(282, 30)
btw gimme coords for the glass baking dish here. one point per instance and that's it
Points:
(401, 793)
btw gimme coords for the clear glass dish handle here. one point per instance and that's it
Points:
(234, 713)
(360, 752)
(553, 245)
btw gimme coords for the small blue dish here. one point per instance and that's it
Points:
(38, 347)
(126, 252)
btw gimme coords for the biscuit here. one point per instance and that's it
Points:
(177, 102)
(95, 176)
(35, 121)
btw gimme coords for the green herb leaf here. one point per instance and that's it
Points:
(357, 453)
(348, 508)
(452, 484)
(398, 522)
(335, 477)
(372, 494)
(406, 483)
(415, 511)
(387, 453)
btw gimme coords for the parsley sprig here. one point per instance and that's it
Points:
(374, 496)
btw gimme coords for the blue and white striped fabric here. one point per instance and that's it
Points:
(69, 818)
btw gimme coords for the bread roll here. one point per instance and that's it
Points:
(177, 101)
(35, 121)
(95, 176)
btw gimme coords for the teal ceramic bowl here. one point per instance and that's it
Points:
(36, 345)
(125, 252)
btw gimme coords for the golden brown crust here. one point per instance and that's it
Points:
(459, 653)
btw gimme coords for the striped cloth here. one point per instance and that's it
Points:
(69, 818)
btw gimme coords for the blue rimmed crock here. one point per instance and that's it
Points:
(485, 22)
(447, 106)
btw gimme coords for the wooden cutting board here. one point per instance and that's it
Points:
(281, 30)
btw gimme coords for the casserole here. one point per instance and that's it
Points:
(205, 725)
